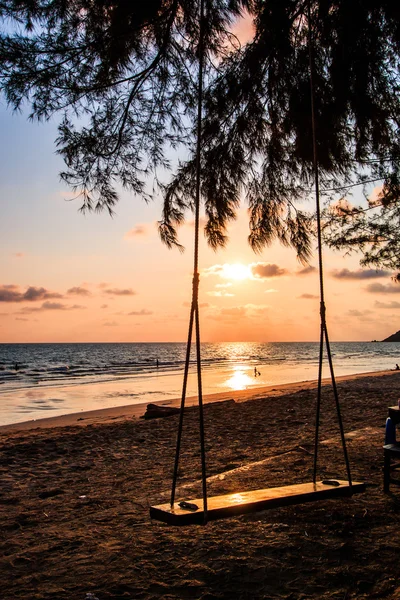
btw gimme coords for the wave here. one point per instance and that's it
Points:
(26, 365)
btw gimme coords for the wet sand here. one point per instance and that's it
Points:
(132, 411)
(76, 490)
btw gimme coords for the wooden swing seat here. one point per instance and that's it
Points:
(229, 505)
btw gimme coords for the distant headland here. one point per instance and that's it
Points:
(395, 337)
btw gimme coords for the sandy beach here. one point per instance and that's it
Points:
(76, 491)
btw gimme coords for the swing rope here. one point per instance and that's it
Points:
(324, 328)
(194, 310)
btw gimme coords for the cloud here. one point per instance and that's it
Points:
(12, 293)
(102, 285)
(34, 294)
(257, 309)
(235, 271)
(214, 270)
(241, 312)
(78, 291)
(139, 313)
(308, 296)
(104, 306)
(390, 305)
(358, 313)
(235, 311)
(220, 294)
(53, 306)
(223, 285)
(341, 207)
(110, 324)
(139, 230)
(306, 271)
(26, 310)
(375, 198)
(18, 254)
(266, 270)
(359, 274)
(9, 292)
(239, 272)
(379, 288)
(271, 291)
(120, 292)
(21, 319)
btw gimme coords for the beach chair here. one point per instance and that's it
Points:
(391, 456)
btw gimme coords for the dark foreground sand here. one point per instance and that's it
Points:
(74, 501)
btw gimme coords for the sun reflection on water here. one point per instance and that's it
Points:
(239, 380)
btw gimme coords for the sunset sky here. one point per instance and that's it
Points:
(68, 277)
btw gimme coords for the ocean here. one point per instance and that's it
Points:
(38, 380)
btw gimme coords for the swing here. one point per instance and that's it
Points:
(201, 510)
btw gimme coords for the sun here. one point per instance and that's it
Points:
(237, 272)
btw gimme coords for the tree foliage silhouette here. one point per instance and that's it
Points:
(129, 71)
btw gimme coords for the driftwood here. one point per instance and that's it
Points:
(156, 411)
